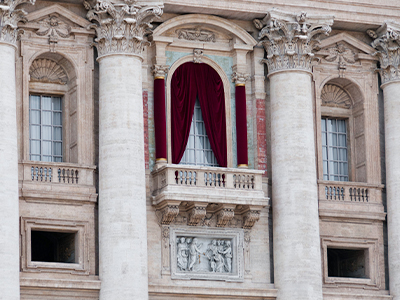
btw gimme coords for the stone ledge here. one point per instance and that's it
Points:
(61, 283)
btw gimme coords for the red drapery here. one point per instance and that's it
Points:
(159, 119)
(189, 81)
(241, 125)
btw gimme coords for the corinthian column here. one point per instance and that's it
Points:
(289, 40)
(387, 42)
(9, 212)
(120, 29)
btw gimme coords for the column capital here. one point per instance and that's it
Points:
(239, 78)
(290, 38)
(387, 43)
(121, 26)
(159, 71)
(9, 18)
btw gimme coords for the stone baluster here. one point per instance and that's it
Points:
(387, 42)
(120, 28)
(289, 40)
(9, 213)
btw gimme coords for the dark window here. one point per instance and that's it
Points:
(53, 246)
(347, 263)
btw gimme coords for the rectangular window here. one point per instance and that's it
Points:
(347, 263)
(334, 149)
(45, 128)
(198, 148)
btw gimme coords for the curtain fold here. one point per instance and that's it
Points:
(189, 81)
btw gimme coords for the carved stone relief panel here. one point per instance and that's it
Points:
(46, 70)
(332, 95)
(207, 253)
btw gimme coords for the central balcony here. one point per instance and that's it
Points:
(209, 189)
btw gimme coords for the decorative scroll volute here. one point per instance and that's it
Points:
(387, 43)
(289, 39)
(9, 18)
(121, 27)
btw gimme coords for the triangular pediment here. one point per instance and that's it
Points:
(348, 45)
(63, 13)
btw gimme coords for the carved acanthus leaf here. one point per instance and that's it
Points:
(335, 96)
(159, 71)
(250, 218)
(121, 27)
(169, 213)
(9, 18)
(225, 215)
(387, 43)
(289, 39)
(196, 34)
(46, 70)
(197, 214)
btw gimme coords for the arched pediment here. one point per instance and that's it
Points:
(204, 29)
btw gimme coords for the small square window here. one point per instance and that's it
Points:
(347, 263)
(47, 246)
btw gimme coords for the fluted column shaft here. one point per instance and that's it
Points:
(122, 186)
(386, 42)
(288, 40)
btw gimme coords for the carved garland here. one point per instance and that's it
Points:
(46, 70)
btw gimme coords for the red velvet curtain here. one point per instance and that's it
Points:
(189, 81)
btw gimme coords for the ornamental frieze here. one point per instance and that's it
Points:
(289, 39)
(196, 34)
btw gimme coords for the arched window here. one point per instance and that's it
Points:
(198, 131)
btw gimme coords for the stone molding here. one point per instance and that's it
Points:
(290, 38)
(225, 215)
(250, 218)
(46, 70)
(169, 213)
(197, 213)
(159, 71)
(121, 27)
(387, 43)
(9, 18)
(239, 78)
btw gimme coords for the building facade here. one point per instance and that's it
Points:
(199, 149)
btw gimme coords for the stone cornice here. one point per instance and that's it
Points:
(290, 38)
(387, 43)
(9, 18)
(121, 26)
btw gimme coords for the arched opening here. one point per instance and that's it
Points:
(53, 102)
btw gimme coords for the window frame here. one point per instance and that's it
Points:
(52, 126)
(228, 116)
(336, 113)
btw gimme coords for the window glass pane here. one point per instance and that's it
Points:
(57, 118)
(332, 125)
(46, 158)
(46, 132)
(324, 153)
(341, 126)
(57, 148)
(325, 167)
(323, 124)
(191, 156)
(35, 147)
(324, 141)
(190, 142)
(34, 102)
(58, 159)
(56, 103)
(343, 154)
(342, 140)
(35, 132)
(46, 148)
(46, 118)
(57, 133)
(34, 117)
(35, 157)
(332, 139)
(199, 157)
(46, 102)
